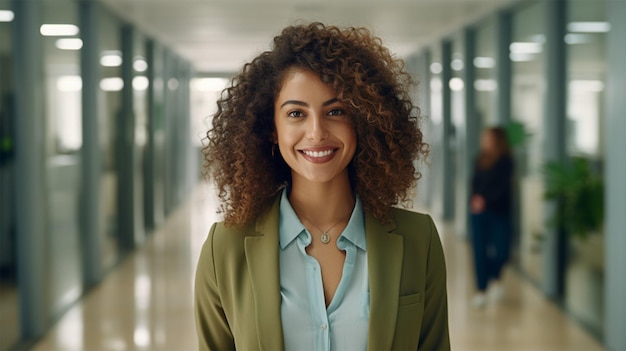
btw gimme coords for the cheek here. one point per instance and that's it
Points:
(350, 139)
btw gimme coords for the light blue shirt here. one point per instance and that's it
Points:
(307, 323)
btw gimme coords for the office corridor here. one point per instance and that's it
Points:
(146, 302)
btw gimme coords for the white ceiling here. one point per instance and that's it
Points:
(219, 36)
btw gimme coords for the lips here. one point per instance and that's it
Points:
(318, 155)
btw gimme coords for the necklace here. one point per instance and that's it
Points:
(325, 237)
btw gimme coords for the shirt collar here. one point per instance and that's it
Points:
(290, 226)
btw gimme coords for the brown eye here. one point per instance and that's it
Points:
(295, 114)
(335, 112)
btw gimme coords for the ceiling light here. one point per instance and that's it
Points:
(140, 64)
(111, 59)
(69, 44)
(140, 83)
(457, 64)
(589, 27)
(112, 84)
(456, 84)
(484, 62)
(6, 15)
(572, 39)
(58, 30)
(436, 67)
(526, 47)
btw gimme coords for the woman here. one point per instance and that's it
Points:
(490, 206)
(311, 146)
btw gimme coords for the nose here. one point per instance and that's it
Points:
(316, 128)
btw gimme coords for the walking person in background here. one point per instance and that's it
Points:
(490, 217)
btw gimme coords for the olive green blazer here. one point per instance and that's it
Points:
(237, 287)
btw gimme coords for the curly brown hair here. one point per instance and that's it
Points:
(367, 79)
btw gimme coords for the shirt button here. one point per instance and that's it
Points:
(324, 326)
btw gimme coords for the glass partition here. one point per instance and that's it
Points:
(458, 138)
(485, 83)
(140, 100)
(527, 95)
(436, 119)
(63, 125)
(109, 99)
(9, 313)
(586, 78)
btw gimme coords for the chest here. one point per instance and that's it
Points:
(324, 298)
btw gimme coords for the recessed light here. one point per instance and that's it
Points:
(58, 30)
(112, 84)
(69, 44)
(456, 84)
(457, 64)
(436, 67)
(111, 59)
(526, 47)
(574, 38)
(589, 27)
(140, 83)
(6, 15)
(484, 62)
(140, 64)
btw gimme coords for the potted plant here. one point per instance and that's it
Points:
(580, 193)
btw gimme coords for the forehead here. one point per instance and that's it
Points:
(303, 83)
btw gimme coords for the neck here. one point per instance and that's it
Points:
(322, 203)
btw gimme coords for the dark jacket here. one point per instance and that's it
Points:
(495, 185)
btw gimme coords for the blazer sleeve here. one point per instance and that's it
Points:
(434, 333)
(211, 323)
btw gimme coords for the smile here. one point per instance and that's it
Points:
(318, 154)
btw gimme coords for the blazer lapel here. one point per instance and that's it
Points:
(384, 260)
(262, 258)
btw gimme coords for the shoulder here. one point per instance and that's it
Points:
(416, 228)
(221, 234)
(411, 222)
(224, 243)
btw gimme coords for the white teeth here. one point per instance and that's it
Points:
(317, 153)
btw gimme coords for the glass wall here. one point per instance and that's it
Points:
(527, 105)
(586, 78)
(157, 131)
(9, 317)
(140, 109)
(109, 100)
(485, 84)
(457, 87)
(436, 119)
(63, 86)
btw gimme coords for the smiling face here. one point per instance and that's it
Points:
(313, 129)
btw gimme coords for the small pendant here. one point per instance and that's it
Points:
(325, 238)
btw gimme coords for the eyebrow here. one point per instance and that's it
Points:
(302, 103)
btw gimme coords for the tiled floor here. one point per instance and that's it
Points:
(146, 303)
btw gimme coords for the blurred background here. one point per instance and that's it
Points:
(104, 104)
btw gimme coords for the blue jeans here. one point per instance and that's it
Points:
(491, 245)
